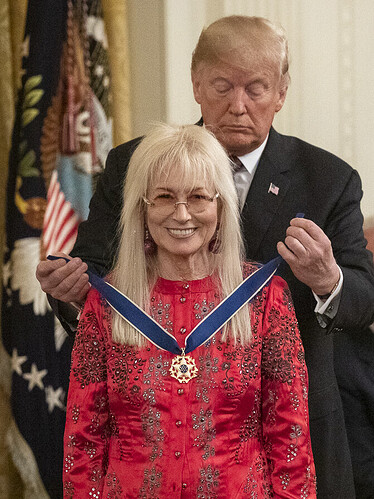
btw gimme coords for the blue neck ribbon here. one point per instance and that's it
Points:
(205, 330)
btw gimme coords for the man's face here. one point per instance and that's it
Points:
(238, 105)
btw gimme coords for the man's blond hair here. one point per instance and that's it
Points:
(246, 42)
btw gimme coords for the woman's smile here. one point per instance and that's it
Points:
(181, 232)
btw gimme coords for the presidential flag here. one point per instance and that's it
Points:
(61, 137)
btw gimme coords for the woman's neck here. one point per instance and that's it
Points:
(181, 268)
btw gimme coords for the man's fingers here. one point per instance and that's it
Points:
(310, 238)
(306, 240)
(291, 254)
(309, 227)
(76, 279)
(66, 277)
(285, 253)
(71, 270)
(78, 292)
(298, 248)
(46, 267)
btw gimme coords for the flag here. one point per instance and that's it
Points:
(273, 189)
(61, 137)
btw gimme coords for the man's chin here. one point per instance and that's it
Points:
(238, 144)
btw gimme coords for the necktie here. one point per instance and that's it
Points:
(237, 164)
(240, 174)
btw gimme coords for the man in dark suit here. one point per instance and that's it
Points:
(240, 79)
(354, 368)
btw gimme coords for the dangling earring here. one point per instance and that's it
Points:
(214, 243)
(149, 244)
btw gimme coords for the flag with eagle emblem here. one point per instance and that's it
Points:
(61, 137)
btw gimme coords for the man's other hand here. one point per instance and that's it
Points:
(64, 281)
(308, 252)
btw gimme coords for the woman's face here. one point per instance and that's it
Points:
(181, 230)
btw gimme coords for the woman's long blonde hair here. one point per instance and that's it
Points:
(195, 155)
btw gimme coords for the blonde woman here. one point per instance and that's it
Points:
(229, 417)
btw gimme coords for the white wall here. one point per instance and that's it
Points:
(330, 101)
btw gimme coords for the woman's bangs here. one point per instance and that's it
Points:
(192, 172)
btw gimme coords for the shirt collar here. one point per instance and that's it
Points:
(250, 160)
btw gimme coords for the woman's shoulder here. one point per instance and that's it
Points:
(276, 283)
(95, 303)
(94, 317)
(93, 296)
(249, 268)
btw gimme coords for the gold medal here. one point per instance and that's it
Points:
(183, 368)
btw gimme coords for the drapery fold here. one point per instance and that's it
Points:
(12, 20)
(116, 23)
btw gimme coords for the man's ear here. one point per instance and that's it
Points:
(196, 86)
(282, 98)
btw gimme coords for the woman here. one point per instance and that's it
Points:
(230, 419)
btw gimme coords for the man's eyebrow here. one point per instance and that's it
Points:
(220, 78)
(260, 81)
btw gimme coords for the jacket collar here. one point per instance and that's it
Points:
(264, 201)
(267, 192)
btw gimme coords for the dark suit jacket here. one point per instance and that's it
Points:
(328, 191)
(354, 367)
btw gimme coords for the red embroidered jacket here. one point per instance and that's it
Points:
(238, 430)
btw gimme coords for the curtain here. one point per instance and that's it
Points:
(115, 16)
(12, 18)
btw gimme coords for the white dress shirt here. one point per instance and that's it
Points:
(244, 176)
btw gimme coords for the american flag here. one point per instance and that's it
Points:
(273, 189)
(60, 221)
(61, 137)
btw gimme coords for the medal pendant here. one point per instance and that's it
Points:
(183, 368)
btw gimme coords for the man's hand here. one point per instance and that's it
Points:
(67, 282)
(308, 252)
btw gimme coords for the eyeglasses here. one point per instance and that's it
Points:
(167, 203)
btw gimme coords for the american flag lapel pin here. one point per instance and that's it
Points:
(273, 189)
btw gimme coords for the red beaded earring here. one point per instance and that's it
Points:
(149, 244)
(214, 243)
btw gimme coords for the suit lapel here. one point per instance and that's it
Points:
(261, 204)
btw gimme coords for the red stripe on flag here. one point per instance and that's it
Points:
(60, 221)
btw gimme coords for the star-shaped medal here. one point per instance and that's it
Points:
(183, 368)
